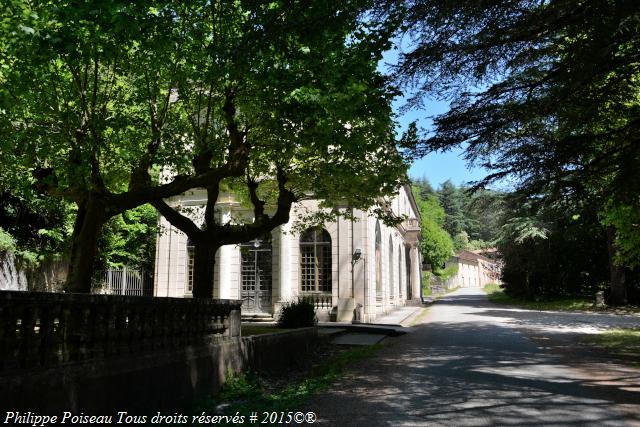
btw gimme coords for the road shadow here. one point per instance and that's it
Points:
(476, 373)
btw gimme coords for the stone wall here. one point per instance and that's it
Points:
(97, 353)
(12, 278)
(155, 381)
(49, 276)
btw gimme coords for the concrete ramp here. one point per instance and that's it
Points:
(358, 339)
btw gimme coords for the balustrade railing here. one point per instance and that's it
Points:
(320, 301)
(411, 224)
(46, 329)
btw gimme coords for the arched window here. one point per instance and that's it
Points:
(378, 262)
(190, 260)
(391, 284)
(315, 260)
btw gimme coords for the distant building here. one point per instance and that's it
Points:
(475, 268)
(352, 270)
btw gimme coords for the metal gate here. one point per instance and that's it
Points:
(124, 282)
(256, 276)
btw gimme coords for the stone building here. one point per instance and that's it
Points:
(474, 270)
(352, 269)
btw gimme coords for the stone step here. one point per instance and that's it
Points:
(257, 317)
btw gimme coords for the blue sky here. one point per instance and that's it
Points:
(436, 167)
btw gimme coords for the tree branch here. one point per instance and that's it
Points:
(177, 219)
(258, 205)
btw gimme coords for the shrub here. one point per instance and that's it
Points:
(446, 273)
(298, 314)
(7, 244)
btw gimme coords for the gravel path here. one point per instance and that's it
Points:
(472, 363)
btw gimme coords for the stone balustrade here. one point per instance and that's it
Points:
(51, 329)
(319, 300)
(412, 224)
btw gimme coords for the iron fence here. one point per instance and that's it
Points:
(126, 281)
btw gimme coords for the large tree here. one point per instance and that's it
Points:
(452, 201)
(436, 244)
(302, 94)
(90, 111)
(112, 104)
(542, 92)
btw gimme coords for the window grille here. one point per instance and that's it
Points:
(190, 261)
(315, 260)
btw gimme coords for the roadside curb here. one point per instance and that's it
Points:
(416, 314)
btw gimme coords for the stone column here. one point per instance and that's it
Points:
(284, 267)
(416, 270)
(223, 264)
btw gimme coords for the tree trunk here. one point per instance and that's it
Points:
(204, 258)
(89, 220)
(617, 275)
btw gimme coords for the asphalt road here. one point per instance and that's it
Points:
(472, 363)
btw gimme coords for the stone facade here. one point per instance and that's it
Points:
(474, 270)
(354, 270)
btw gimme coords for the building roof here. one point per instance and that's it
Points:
(471, 256)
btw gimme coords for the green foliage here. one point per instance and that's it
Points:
(241, 386)
(424, 186)
(558, 250)
(477, 216)
(451, 200)
(436, 245)
(521, 229)
(39, 225)
(35, 227)
(484, 210)
(298, 314)
(98, 97)
(623, 343)
(480, 244)
(447, 272)
(461, 241)
(626, 220)
(246, 392)
(426, 282)
(7, 243)
(497, 295)
(129, 239)
(8, 246)
(519, 110)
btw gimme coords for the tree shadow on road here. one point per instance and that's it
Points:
(474, 373)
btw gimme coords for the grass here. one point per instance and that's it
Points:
(445, 292)
(248, 330)
(497, 295)
(420, 317)
(621, 342)
(246, 393)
